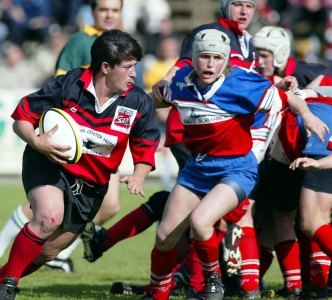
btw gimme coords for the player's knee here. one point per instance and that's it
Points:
(163, 241)
(306, 228)
(199, 225)
(47, 222)
(109, 208)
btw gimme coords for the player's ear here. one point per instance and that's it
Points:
(105, 67)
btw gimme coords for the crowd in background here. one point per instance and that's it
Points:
(37, 30)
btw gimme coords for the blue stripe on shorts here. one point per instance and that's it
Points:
(203, 172)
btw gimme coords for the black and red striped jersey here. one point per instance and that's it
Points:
(305, 72)
(105, 130)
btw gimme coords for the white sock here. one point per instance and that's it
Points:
(65, 253)
(11, 228)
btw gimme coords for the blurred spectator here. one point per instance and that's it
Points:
(16, 71)
(150, 12)
(46, 55)
(310, 22)
(64, 13)
(153, 39)
(265, 14)
(26, 20)
(307, 20)
(167, 52)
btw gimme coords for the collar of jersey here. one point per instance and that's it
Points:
(214, 87)
(91, 31)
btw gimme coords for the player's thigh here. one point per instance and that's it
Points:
(315, 210)
(176, 214)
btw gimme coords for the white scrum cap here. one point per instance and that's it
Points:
(277, 41)
(211, 41)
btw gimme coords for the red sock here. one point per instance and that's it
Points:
(220, 234)
(249, 272)
(26, 247)
(320, 267)
(288, 254)
(322, 238)
(130, 225)
(305, 252)
(192, 263)
(208, 254)
(162, 264)
(266, 259)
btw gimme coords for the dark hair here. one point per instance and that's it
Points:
(114, 46)
(93, 4)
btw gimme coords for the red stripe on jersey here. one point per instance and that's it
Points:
(326, 81)
(174, 128)
(290, 136)
(183, 62)
(23, 112)
(143, 151)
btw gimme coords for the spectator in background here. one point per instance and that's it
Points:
(26, 20)
(76, 53)
(167, 52)
(152, 40)
(46, 55)
(150, 12)
(64, 13)
(15, 69)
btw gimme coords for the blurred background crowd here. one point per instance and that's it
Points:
(33, 32)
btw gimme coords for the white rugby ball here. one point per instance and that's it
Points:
(68, 133)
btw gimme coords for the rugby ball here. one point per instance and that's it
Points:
(68, 133)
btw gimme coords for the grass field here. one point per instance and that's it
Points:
(128, 261)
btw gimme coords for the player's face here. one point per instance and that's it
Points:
(107, 14)
(208, 67)
(242, 12)
(121, 76)
(265, 63)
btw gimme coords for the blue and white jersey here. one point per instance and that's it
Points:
(217, 119)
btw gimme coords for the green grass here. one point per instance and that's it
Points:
(128, 261)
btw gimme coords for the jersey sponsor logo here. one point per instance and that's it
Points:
(97, 143)
(200, 157)
(181, 85)
(204, 120)
(123, 119)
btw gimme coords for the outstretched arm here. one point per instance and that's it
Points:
(311, 164)
(310, 121)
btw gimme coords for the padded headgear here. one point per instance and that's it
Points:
(277, 41)
(211, 41)
(225, 6)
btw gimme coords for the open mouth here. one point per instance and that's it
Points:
(207, 74)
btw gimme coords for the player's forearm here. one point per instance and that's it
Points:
(297, 105)
(141, 171)
(325, 163)
(25, 131)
